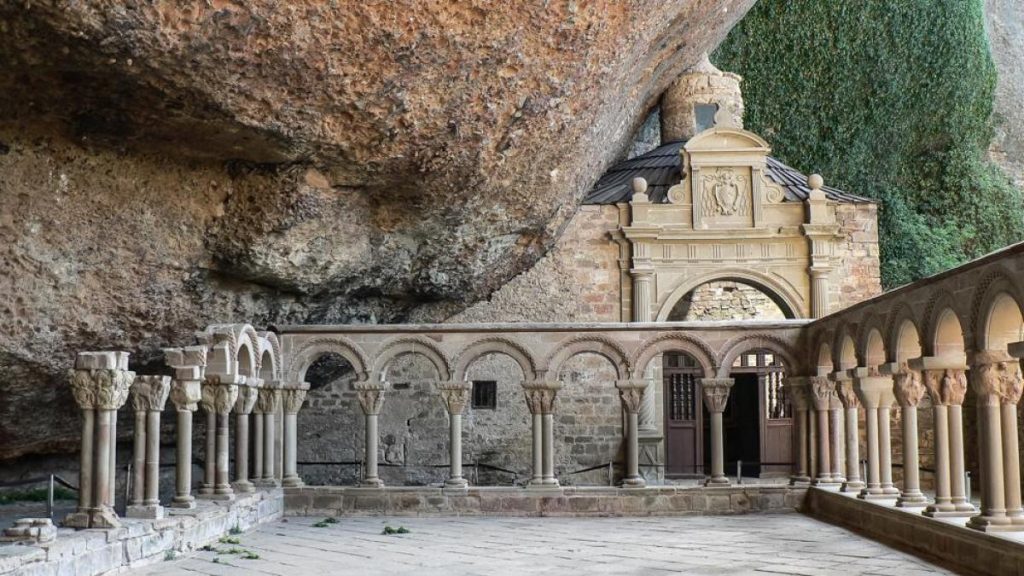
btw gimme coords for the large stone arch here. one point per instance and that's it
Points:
(873, 323)
(901, 314)
(844, 337)
(792, 304)
(307, 352)
(595, 344)
(986, 293)
(740, 344)
(419, 345)
(673, 342)
(941, 303)
(494, 345)
(269, 347)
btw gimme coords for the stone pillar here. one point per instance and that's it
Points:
(642, 280)
(946, 383)
(909, 390)
(540, 398)
(189, 365)
(875, 391)
(455, 396)
(138, 460)
(100, 383)
(851, 404)
(371, 399)
(885, 443)
(996, 380)
(838, 448)
(293, 399)
(149, 395)
(218, 400)
(267, 403)
(822, 392)
(797, 388)
(716, 397)
(632, 393)
(257, 444)
(247, 397)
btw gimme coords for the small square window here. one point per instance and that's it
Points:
(485, 394)
(704, 115)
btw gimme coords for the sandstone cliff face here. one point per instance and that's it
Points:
(1005, 27)
(166, 165)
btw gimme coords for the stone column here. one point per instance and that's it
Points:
(540, 398)
(873, 391)
(909, 390)
(138, 459)
(716, 397)
(100, 383)
(632, 393)
(851, 404)
(797, 388)
(247, 396)
(946, 384)
(257, 445)
(371, 399)
(455, 396)
(293, 399)
(642, 280)
(149, 395)
(838, 448)
(267, 403)
(885, 443)
(189, 365)
(822, 392)
(218, 400)
(997, 382)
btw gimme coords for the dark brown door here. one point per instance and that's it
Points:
(774, 422)
(683, 418)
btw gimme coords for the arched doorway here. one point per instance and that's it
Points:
(758, 421)
(729, 299)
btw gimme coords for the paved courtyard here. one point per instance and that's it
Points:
(754, 544)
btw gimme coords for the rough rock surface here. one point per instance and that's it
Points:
(1004, 20)
(165, 165)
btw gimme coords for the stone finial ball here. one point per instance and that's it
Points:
(815, 181)
(639, 185)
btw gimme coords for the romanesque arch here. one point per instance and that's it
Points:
(996, 312)
(494, 345)
(902, 334)
(673, 342)
(733, 348)
(309, 351)
(943, 332)
(418, 345)
(595, 344)
(779, 291)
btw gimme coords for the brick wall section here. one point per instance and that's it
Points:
(858, 276)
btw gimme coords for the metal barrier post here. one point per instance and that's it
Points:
(611, 475)
(49, 498)
(967, 485)
(739, 471)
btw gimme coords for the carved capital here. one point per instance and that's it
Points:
(716, 393)
(247, 396)
(946, 386)
(632, 394)
(185, 394)
(293, 399)
(908, 387)
(268, 400)
(996, 378)
(371, 396)
(822, 391)
(219, 398)
(846, 394)
(149, 393)
(796, 391)
(455, 395)
(101, 388)
(540, 396)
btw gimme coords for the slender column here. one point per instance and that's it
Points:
(812, 439)
(846, 394)
(149, 395)
(538, 450)
(218, 400)
(210, 456)
(885, 448)
(642, 293)
(955, 382)
(1012, 387)
(874, 391)
(648, 422)
(268, 401)
(257, 446)
(100, 384)
(293, 399)
(455, 396)
(797, 388)
(836, 417)
(540, 398)
(189, 366)
(946, 387)
(909, 390)
(632, 393)
(822, 392)
(371, 399)
(993, 375)
(247, 397)
(716, 397)
(138, 462)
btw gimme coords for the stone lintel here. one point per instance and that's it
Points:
(948, 362)
(101, 361)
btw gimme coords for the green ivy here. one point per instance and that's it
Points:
(890, 99)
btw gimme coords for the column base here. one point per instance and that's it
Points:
(945, 510)
(456, 484)
(371, 483)
(543, 487)
(636, 482)
(852, 486)
(723, 481)
(874, 494)
(265, 483)
(148, 512)
(293, 482)
(984, 523)
(826, 482)
(912, 500)
(965, 506)
(205, 490)
(243, 486)
(79, 520)
(217, 497)
(891, 491)
(104, 518)
(801, 481)
(1016, 517)
(183, 502)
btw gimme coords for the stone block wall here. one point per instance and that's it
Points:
(858, 275)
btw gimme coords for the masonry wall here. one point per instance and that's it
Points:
(857, 276)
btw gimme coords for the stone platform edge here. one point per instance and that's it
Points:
(139, 542)
(569, 501)
(945, 541)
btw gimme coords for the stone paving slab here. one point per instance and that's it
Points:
(761, 544)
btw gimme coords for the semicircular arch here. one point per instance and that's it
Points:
(674, 342)
(402, 345)
(494, 345)
(310, 350)
(587, 343)
(784, 296)
(741, 344)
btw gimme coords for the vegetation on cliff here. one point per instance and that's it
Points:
(890, 100)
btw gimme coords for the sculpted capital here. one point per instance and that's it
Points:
(716, 393)
(219, 398)
(908, 387)
(293, 399)
(371, 396)
(149, 393)
(632, 394)
(455, 395)
(540, 396)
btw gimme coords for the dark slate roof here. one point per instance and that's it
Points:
(661, 166)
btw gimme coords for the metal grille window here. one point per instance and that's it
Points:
(683, 389)
(485, 395)
(776, 396)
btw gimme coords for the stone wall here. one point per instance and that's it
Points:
(858, 274)
(726, 301)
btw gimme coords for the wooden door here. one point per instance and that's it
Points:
(775, 412)
(683, 416)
